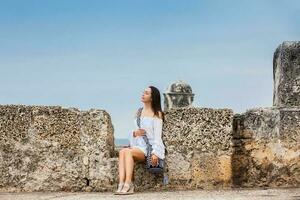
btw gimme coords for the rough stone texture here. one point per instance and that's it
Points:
(286, 74)
(267, 148)
(199, 146)
(50, 148)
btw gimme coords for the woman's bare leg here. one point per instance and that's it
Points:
(131, 155)
(122, 165)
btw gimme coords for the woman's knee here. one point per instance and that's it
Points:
(123, 151)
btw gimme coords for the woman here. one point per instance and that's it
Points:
(151, 118)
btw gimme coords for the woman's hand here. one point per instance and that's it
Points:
(139, 132)
(154, 160)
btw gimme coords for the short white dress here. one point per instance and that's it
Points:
(153, 128)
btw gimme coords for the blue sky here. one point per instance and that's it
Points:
(102, 54)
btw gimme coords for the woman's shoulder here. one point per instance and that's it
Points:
(159, 117)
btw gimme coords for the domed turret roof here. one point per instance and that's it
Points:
(179, 87)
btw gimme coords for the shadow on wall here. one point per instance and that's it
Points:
(240, 155)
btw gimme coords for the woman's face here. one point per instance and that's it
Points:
(146, 97)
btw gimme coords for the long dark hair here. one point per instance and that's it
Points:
(156, 102)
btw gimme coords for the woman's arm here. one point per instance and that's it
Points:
(131, 133)
(134, 132)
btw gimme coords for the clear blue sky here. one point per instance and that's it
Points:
(102, 54)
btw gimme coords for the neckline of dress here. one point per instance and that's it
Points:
(148, 116)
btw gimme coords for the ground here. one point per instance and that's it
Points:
(235, 194)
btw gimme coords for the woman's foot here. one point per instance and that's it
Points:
(120, 186)
(128, 188)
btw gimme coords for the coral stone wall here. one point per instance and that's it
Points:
(44, 148)
(57, 149)
(286, 74)
(50, 148)
(267, 148)
(199, 146)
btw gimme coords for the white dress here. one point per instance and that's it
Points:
(153, 128)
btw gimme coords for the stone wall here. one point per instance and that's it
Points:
(57, 149)
(50, 148)
(267, 140)
(286, 74)
(212, 148)
(44, 148)
(266, 148)
(199, 146)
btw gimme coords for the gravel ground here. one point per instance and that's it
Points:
(233, 194)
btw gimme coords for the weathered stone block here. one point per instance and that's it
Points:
(50, 148)
(202, 129)
(286, 74)
(267, 148)
(199, 146)
(211, 171)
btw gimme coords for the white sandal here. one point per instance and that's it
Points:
(120, 186)
(128, 188)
